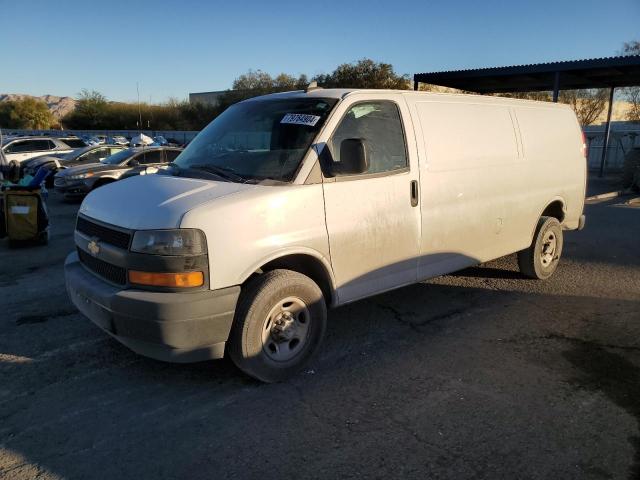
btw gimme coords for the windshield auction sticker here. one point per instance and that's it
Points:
(300, 119)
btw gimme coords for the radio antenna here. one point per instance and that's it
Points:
(139, 108)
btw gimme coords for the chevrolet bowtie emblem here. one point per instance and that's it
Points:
(93, 247)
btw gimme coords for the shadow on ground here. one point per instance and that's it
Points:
(612, 374)
(454, 376)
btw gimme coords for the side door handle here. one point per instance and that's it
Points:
(414, 193)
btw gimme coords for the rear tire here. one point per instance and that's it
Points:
(541, 259)
(279, 324)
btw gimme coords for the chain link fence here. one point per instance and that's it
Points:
(182, 136)
(622, 138)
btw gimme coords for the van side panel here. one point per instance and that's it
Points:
(472, 177)
(552, 145)
(488, 168)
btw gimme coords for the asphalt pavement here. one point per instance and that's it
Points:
(480, 374)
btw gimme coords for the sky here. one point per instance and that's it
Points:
(171, 48)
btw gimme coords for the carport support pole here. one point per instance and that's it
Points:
(556, 86)
(415, 84)
(607, 129)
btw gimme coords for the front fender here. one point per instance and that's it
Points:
(284, 252)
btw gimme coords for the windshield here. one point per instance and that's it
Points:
(258, 140)
(119, 157)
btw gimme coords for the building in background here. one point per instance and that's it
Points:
(208, 98)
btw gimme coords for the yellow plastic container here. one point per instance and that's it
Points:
(22, 212)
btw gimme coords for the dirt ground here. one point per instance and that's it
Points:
(479, 374)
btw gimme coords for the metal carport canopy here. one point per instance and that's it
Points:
(576, 74)
(610, 72)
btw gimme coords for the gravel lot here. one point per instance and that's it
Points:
(480, 374)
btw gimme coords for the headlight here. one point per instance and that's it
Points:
(80, 176)
(183, 241)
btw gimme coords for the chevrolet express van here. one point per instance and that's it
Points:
(290, 203)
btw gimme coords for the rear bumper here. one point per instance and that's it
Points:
(173, 327)
(577, 224)
(581, 222)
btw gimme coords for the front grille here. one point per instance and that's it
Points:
(106, 270)
(105, 234)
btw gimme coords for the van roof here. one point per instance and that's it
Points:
(339, 93)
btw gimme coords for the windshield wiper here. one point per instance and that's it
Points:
(224, 172)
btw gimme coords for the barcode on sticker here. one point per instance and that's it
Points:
(300, 119)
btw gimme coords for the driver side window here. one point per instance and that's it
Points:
(148, 158)
(93, 156)
(379, 125)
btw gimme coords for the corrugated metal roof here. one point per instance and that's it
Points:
(553, 66)
(621, 71)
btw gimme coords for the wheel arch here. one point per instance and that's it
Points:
(556, 208)
(307, 262)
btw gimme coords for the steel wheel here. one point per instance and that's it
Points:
(286, 329)
(548, 251)
(541, 259)
(279, 323)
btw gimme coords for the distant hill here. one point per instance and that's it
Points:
(59, 106)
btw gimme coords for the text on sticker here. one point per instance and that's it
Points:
(300, 119)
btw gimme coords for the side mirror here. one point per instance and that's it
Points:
(134, 163)
(353, 158)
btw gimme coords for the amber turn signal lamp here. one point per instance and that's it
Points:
(155, 279)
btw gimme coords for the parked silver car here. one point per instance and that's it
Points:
(24, 148)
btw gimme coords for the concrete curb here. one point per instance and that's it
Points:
(614, 194)
(604, 196)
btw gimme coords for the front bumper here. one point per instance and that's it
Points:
(71, 189)
(173, 327)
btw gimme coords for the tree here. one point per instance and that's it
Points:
(27, 113)
(588, 104)
(90, 111)
(256, 82)
(364, 73)
(632, 94)
(537, 96)
(631, 48)
(5, 114)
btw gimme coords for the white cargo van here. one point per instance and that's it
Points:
(290, 203)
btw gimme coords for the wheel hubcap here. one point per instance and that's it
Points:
(548, 252)
(285, 329)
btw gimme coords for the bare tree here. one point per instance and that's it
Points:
(632, 94)
(588, 104)
(538, 96)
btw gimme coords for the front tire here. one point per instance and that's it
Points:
(540, 260)
(279, 324)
